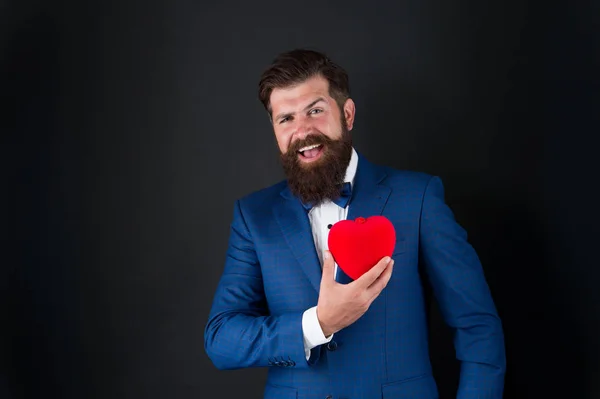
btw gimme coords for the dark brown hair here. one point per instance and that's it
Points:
(296, 66)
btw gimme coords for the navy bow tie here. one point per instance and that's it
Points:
(341, 201)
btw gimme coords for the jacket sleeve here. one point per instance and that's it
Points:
(464, 298)
(240, 332)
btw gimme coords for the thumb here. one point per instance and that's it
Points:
(328, 269)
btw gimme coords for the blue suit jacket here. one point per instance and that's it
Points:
(272, 275)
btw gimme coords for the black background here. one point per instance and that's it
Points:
(129, 128)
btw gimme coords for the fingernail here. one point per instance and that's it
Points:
(326, 254)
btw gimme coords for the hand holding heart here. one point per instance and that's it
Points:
(359, 244)
(340, 305)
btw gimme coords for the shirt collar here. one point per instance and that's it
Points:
(351, 169)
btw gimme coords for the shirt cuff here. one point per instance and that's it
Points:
(312, 332)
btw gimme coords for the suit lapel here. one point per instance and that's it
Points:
(368, 195)
(295, 227)
(368, 199)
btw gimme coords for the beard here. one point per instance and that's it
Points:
(322, 179)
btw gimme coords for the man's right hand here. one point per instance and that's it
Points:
(340, 305)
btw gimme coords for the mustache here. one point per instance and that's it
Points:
(315, 138)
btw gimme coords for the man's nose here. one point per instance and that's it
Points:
(303, 128)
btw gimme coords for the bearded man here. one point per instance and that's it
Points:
(283, 303)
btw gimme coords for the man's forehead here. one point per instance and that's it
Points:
(299, 96)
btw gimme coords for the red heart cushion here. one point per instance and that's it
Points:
(357, 245)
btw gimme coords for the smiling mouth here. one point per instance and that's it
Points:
(311, 152)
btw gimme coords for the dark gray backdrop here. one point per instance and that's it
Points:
(133, 126)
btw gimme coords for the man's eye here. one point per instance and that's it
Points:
(283, 120)
(315, 111)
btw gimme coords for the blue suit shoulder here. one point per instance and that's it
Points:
(407, 179)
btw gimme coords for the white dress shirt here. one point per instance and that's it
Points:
(321, 216)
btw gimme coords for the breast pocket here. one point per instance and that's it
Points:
(400, 247)
(421, 387)
(279, 392)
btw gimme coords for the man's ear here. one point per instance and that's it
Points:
(349, 112)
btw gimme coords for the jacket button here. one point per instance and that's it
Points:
(332, 345)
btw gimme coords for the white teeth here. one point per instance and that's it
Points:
(310, 147)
